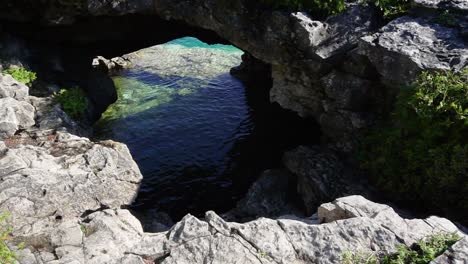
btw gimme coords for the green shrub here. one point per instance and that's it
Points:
(391, 8)
(420, 154)
(349, 257)
(424, 251)
(22, 75)
(317, 7)
(6, 255)
(73, 101)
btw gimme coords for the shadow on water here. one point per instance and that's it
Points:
(189, 163)
(200, 136)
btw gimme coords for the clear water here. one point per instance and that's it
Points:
(198, 135)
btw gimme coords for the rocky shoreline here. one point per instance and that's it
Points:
(67, 195)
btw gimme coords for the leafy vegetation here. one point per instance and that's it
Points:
(317, 7)
(420, 154)
(73, 101)
(6, 255)
(422, 252)
(349, 257)
(390, 8)
(22, 75)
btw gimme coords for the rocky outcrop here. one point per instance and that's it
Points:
(341, 71)
(110, 66)
(115, 236)
(46, 175)
(269, 196)
(55, 176)
(407, 46)
(15, 112)
(456, 5)
(457, 254)
(321, 176)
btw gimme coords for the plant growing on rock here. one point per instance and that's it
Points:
(391, 8)
(22, 75)
(424, 251)
(6, 255)
(73, 101)
(349, 257)
(420, 154)
(317, 7)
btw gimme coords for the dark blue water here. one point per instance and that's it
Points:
(199, 136)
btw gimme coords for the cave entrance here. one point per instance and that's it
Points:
(200, 136)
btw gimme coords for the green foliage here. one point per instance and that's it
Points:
(22, 75)
(6, 255)
(391, 8)
(317, 7)
(424, 251)
(349, 257)
(420, 154)
(73, 101)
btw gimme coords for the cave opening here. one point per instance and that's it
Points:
(200, 135)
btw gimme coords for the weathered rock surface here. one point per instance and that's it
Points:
(15, 112)
(458, 5)
(55, 176)
(457, 254)
(407, 46)
(269, 196)
(9, 87)
(110, 66)
(311, 59)
(321, 176)
(115, 236)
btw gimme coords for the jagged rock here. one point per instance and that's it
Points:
(115, 236)
(58, 176)
(458, 5)
(269, 196)
(14, 115)
(407, 46)
(9, 87)
(110, 66)
(336, 35)
(50, 116)
(320, 175)
(251, 70)
(119, 7)
(347, 91)
(457, 254)
(15, 112)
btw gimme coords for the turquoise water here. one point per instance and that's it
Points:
(189, 42)
(199, 136)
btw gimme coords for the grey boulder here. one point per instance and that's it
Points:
(406, 46)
